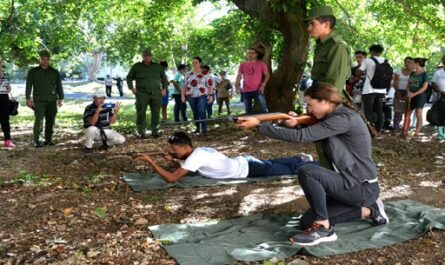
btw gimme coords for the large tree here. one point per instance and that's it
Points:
(286, 18)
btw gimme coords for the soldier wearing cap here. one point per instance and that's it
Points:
(151, 84)
(332, 60)
(47, 94)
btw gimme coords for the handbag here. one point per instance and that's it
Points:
(436, 115)
(13, 106)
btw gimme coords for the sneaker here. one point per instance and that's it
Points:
(305, 157)
(104, 147)
(141, 136)
(156, 135)
(38, 144)
(378, 215)
(9, 144)
(87, 150)
(49, 143)
(314, 235)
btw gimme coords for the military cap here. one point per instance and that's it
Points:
(44, 53)
(146, 52)
(319, 11)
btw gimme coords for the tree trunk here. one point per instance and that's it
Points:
(93, 65)
(281, 88)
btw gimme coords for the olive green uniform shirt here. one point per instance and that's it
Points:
(149, 78)
(45, 84)
(332, 62)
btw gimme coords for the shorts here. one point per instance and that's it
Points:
(418, 102)
(164, 100)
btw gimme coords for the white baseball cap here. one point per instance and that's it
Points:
(99, 93)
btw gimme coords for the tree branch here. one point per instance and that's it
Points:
(409, 10)
(347, 15)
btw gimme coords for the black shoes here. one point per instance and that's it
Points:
(156, 135)
(141, 136)
(87, 150)
(104, 147)
(314, 235)
(378, 215)
(49, 143)
(38, 144)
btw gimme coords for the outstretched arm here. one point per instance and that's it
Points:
(166, 175)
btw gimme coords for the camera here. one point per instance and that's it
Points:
(109, 106)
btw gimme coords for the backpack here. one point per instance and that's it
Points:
(382, 74)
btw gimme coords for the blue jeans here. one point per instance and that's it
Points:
(329, 199)
(180, 107)
(198, 106)
(260, 99)
(210, 108)
(275, 167)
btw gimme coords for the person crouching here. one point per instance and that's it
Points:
(97, 119)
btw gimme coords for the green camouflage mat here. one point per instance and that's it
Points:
(263, 236)
(152, 181)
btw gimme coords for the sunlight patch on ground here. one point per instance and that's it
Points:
(403, 190)
(434, 184)
(439, 161)
(202, 195)
(268, 196)
(421, 174)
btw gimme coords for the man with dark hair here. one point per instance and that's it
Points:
(149, 77)
(354, 85)
(45, 84)
(332, 62)
(213, 164)
(372, 97)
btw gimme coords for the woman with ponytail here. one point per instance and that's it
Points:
(349, 189)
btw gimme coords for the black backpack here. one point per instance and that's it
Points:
(382, 75)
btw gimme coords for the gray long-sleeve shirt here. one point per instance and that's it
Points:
(345, 140)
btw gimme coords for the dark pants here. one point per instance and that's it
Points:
(180, 107)
(121, 92)
(220, 104)
(48, 111)
(108, 91)
(248, 97)
(210, 108)
(4, 116)
(374, 103)
(143, 100)
(198, 106)
(275, 167)
(329, 199)
(387, 111)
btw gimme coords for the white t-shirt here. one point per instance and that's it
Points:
(368, 66)
(213, 164)
(403, 80)
(439, 79)
(108, 81)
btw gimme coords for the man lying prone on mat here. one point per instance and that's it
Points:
(213, 164)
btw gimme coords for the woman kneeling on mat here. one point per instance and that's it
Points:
(349, 189)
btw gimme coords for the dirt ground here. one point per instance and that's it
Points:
(60, 206)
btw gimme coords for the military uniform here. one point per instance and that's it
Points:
(46, 88)
(149, 78)
(332, 62)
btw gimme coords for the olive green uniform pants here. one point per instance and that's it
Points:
(44, 110)
(143, 100)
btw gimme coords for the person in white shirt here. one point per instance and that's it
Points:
(212, 164)
(438, 82)
(108, 85)
(401, 78)
(372, 97)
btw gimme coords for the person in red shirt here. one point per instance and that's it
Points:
(255, 75)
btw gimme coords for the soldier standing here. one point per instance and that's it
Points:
(47, 94)
(332, 59)
(149, 77)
